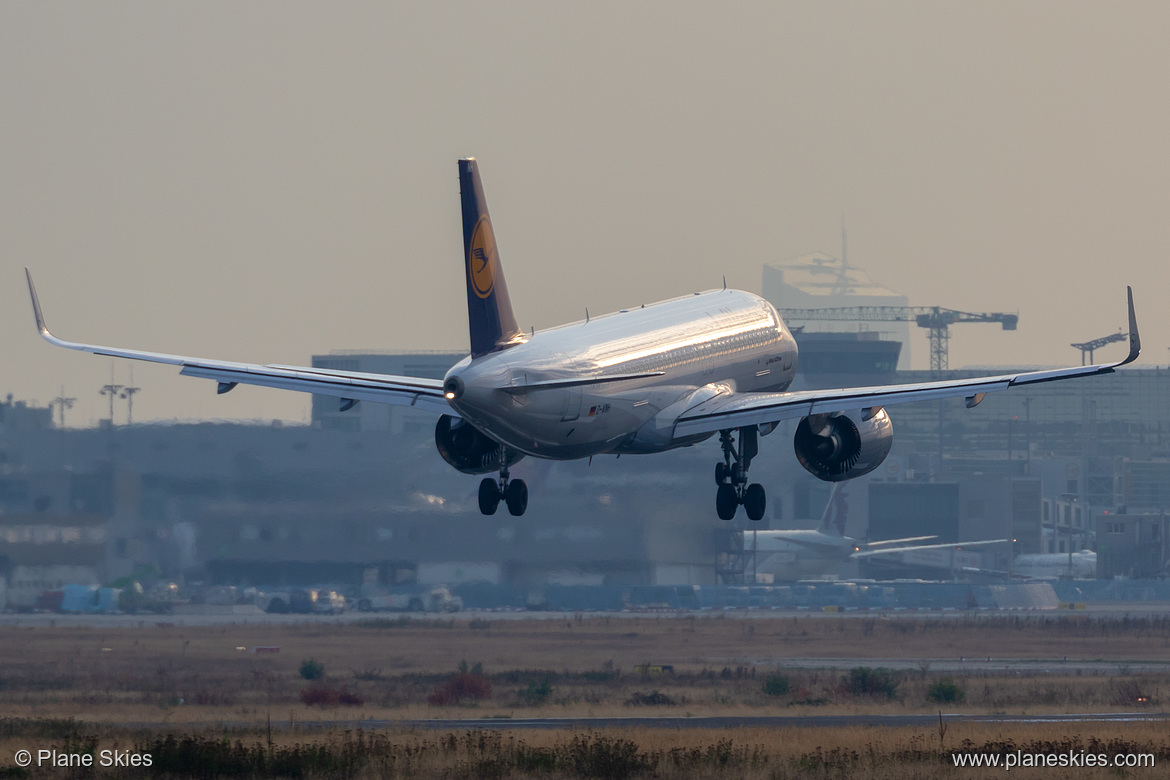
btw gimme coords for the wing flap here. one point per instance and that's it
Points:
(322, 384)
(743, 409)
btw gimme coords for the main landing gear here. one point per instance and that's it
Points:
(732, 476)
(514, 493)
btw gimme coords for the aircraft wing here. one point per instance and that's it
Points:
(916, 547)
(349, 386)
(904, 540)
(737, 410)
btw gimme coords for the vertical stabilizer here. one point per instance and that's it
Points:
(836, 511)
(489, 309)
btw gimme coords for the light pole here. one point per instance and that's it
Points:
(111, 390)
(62, 403)
(128, 394)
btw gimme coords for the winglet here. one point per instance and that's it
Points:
(36, 304)
(1135, 339)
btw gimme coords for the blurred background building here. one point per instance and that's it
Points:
(362, 495)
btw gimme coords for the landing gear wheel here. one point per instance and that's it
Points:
(489, 496)
(726, 502)
(755, 501)
(516, 496)
(732, 475)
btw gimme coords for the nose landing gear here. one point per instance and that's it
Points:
(732, 476)
(514, 493)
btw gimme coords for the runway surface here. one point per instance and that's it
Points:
(226, 616)
(962, 664)
(714, 722)
(769, 722)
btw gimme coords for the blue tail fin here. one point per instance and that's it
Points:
(489, 309)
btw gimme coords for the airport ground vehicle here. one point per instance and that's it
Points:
(438, 599)
(302, 601)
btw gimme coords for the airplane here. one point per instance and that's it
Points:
(1080, 565)
(791, 555)
(802, 554)
(639, 381)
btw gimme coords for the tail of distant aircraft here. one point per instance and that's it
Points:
(836, 511)
(489, 309)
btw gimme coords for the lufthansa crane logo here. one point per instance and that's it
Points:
(481, 258)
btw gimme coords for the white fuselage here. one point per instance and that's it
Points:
(1081, 565)
(695, 347)
(795, 555)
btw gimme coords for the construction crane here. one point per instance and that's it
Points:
(935, 318)
(1087, 347)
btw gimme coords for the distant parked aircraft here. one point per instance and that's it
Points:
(804, 554)
(1080, 565)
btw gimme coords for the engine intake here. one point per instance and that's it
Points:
(843, 446)
(466, 447)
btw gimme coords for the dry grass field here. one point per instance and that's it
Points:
(160, 689)
(755, 754)
(405, 669)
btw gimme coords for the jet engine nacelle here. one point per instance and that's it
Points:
(466, 448)
(843, 446)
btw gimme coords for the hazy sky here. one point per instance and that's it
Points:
(266, 181)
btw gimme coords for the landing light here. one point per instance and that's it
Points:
(452, 388)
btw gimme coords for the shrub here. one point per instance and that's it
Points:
(459, 687)
(875, 683)
(538, 693)
(945, 691)
(1129, 693)
(328, 696)
(776, 685)
(804, 697)
(312, 669)
(652, 699)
